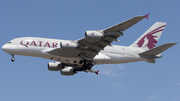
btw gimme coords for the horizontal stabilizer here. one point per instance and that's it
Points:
(157, 50)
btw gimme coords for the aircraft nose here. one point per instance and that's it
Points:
(5, 48)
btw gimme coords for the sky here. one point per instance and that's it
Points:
(28, 78)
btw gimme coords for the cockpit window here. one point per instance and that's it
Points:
(9, 42)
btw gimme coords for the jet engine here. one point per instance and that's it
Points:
(67, 71)
(93, 35)
(55, 66)
(68, 45)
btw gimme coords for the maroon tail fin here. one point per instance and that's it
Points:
(150, 38)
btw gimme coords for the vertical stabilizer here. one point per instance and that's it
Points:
(150, 38)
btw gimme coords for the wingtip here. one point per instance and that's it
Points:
(97, 72)
(175, 43)
(147, 16)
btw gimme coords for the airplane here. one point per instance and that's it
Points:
(94, 49)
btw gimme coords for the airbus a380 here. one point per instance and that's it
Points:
(95, 48)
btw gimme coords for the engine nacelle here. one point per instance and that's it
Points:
(93, 35)
(67, 71)
(55, 66)
(68, 45)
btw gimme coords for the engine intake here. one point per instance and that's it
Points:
(68, 45)
(55, 66)
(93, 35)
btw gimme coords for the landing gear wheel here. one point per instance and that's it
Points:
(81, 61)
(85, 61)
(12, 59)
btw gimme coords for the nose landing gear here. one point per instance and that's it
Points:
(12, 59)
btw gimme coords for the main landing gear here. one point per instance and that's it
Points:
(12, 59)
(86, 65)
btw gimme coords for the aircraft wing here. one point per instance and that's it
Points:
(90, 48)
(126, 24)
(95, 41)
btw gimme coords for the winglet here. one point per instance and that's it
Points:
(97, 72)
(147, 16)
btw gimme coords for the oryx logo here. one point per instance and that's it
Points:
(92, 34)
(150, 38)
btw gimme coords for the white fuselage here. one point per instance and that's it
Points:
(38, 47)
